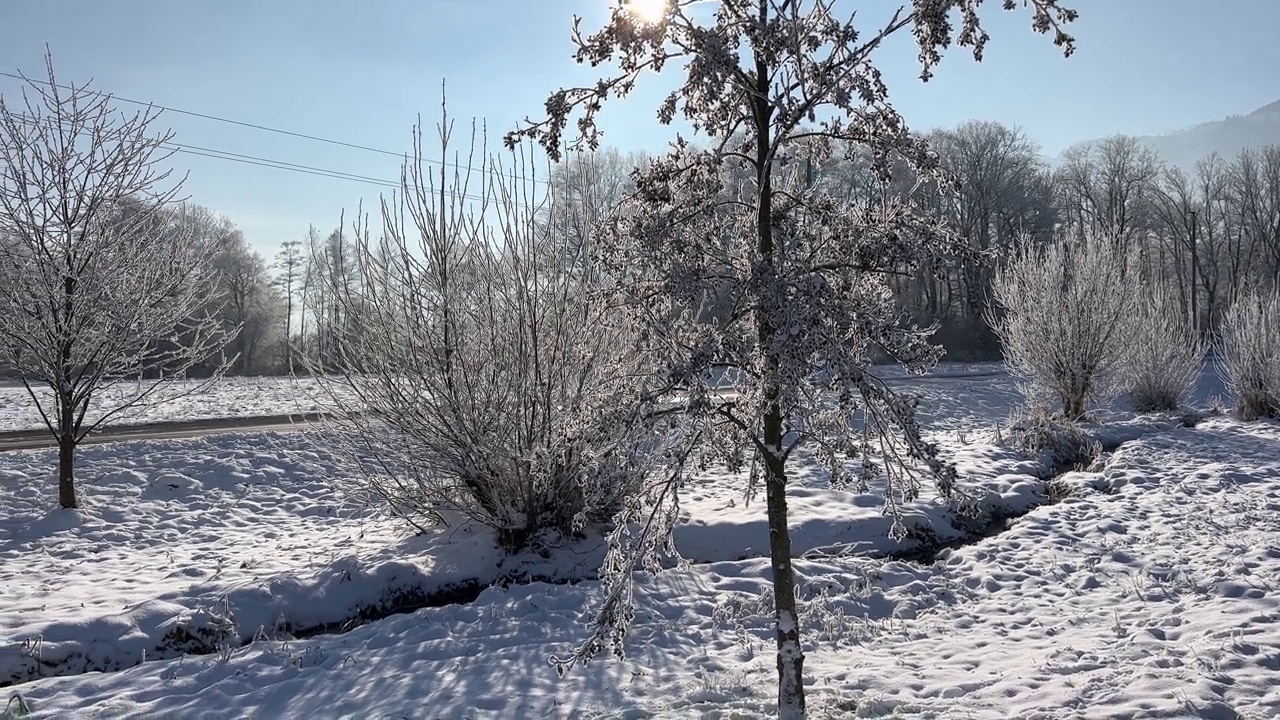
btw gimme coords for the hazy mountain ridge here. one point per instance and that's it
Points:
(1227, 137)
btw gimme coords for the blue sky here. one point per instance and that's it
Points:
(361, 72)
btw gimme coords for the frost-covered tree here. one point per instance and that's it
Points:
(101, 286)
(331, 293)
(586, 189)
(244, 296)
(1165, 352)
(289, 266)
(1251, 353)
(774, 86)
(249, 302)
(1064, 319)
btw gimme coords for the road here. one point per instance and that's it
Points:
(40, 439)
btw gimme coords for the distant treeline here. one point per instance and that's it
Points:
(1206, 234)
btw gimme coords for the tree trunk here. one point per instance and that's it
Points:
(786, 616)
(791, 704)
(1195, 272)
(66, 409)
(66, 464)
(288, 323)
(1073, 403)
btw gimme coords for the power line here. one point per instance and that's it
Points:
(255, 126)
(279, 165)
(253, 159)
(293, 167)
(241, 123)
(269, 162)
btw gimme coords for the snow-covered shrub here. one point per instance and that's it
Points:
(480, 373)
(1057, 443)
(1064, 312)
(202, 631)
(1251, 354)
(1165, 355)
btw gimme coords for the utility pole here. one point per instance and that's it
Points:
(1195, 274)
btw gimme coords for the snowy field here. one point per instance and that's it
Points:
(180, 400)
(235, 397)
(225, 577)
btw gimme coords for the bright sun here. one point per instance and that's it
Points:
(647, 10)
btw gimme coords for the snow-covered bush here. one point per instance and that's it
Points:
(202, 631)
(1165, 355)
(1251, 354)
(481, 376)
(1064, 312)
(1055, 442)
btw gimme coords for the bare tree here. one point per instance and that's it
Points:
(290, 264)
(1211, 264)
(1256, 186)
(1004, 194)
(1176, 211)
(1107, 186)
(101, 283)
(807, 273)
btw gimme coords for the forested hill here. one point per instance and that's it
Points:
(1227, 137)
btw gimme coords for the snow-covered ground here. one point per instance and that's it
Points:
(234, 397)
(1148, 592)
(180, 400)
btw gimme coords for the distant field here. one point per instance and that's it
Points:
(228, 398)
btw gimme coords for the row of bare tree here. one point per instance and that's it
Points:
(243, 295)
(1205, 234)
